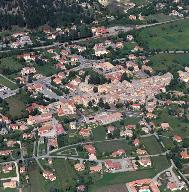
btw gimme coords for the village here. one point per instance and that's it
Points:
(95, 111)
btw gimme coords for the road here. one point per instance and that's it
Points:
(113, 31)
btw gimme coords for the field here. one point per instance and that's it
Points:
(124, 177)
(160, 17)
(63, 171)
(151, 145)
(99, 133)
(177, 125)
(169, 62)
(16, 106)
(9, 66)
(47, 69)
(113, 188)
(110, 146)
(7, 83)
(168, 142)
(170, 36)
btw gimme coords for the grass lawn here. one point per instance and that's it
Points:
(123, 177)
(7, 175)
(10, 65)
(65, 172)
(126, 121)
(47, 69)
(169, 62)
(99, 133)
(160, 17)
(151, 145)
(178, 126)
(168, 142)
(38, 182)
(16, 106)
(110, 146)
(170, 36)
(159, 163)
(7, 83)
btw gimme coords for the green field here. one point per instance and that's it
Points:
(65, 177)
(168, 142)
(124, 177)
(47, 69)
(178, 126)
(7, 83)
(151, 145)
(169, 62)
(9, 66)
(16, 106)
(99, 133)
(170, 36)
(160, 17)
(110, 146)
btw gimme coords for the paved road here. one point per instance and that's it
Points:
(114, 32)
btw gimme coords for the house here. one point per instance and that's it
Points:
(49, 175)
(172, 186)
(66, 107)
(27, 71)
(90, 149)
(143, 185)
(85, 132)
(110, 129)
(100, 50)
(7, 168)
(79, 167)
(135, 106)
(141, 152)
(104, 66)
(130, 126)
(130, 37)
(81, 188)
(177, 138)
(136, 142)
(96, 168)
(53, 142)
(22, 169)
(74, 58)
(5, 152)
(11, 143)
(27, 136)
(132, 17)
(119, 152)
(126, 133)
(105, 118)
(39, 118)
(165, 126)
(112, 166)
(46, 128)
(184, 155)
(57, 80)
(145, 161)
(73, 125)
(9, 184)
(35, 87)
(99, 31)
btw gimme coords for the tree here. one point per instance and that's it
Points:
(95, 89)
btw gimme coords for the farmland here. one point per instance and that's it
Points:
(7, 83)
(124, 177)
(169, 62)
(170, 36)
(151, 145)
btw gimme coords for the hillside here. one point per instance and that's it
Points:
(34, 13)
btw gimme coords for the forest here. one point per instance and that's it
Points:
(35, 13)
